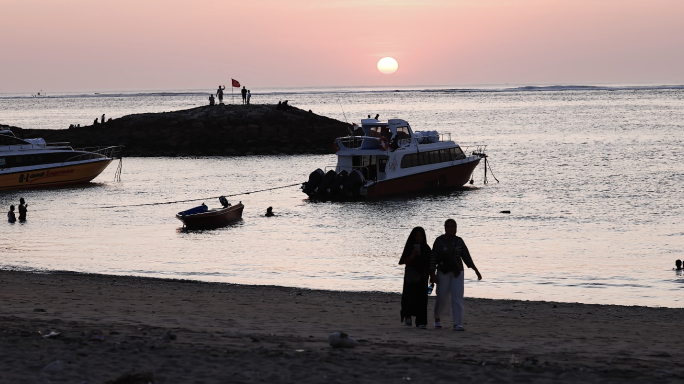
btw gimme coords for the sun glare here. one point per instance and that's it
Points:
(387, 65)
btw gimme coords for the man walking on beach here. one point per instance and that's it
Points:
(244, 95)
(449, 252)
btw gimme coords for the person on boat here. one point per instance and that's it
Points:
(449, 252)
(10, 215)
(22, 209)
(269, 212)
(414, 299)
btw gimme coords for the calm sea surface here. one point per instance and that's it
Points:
(593, 177)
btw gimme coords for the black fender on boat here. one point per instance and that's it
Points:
(338, 184)
(315, 179)
(354, 182)
(322, 190)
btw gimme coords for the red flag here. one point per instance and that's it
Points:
(236, 83)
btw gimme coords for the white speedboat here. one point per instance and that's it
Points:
(33, 163)
(390, 158)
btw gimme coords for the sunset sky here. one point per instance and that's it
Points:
(73, 45)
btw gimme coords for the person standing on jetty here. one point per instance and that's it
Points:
(448, 254)
(11, 218)
(22, 209)
(219, 93)
(414, 298)
(244, 95)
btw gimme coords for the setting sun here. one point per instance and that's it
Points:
(387, 65)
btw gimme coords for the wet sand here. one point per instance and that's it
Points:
(111, 326)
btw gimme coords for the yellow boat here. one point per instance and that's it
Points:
(33, 163)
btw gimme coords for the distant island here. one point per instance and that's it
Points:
(218, 130)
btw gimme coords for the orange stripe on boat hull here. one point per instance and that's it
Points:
(53, 177)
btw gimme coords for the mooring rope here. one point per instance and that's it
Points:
(204, 198)
(489, 163)
(117, 174)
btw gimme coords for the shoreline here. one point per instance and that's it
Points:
(299, 288)
(114, 325)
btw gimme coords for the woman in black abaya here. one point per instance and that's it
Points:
(414, 298)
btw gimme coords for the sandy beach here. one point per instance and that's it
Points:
(76, 328)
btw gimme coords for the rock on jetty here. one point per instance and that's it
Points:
(219, 130)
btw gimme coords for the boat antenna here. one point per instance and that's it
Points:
(343, 114)
(345, 117)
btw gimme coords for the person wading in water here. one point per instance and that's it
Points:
(22, 209)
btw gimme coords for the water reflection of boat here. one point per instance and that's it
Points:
(390, 158)
(33, 163)
(203, 217)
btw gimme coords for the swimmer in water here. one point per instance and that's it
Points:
(269, 212)
(678, 263)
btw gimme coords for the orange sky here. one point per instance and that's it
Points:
(72, 45)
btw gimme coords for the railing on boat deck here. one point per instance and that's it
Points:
(352, 141)
(355, 141)
(480, 150)
(425, 139)
(112, 152)
(26, 147)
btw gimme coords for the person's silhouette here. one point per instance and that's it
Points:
(269, 212)
(22, 209)
(10, 215)
(219, 93)
(678, 263)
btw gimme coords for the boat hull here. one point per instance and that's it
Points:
(453, 176)
(57, 176)
(213, 219)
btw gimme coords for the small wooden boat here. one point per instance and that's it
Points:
(203, 217)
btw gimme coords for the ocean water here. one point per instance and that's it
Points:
(593, 177)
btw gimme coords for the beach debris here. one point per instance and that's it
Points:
(55, 366)
(134, 378)
(39, 310)
(49, 334)
(168, 335)
(341, 340)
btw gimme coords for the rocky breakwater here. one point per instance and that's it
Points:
(219, 130)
